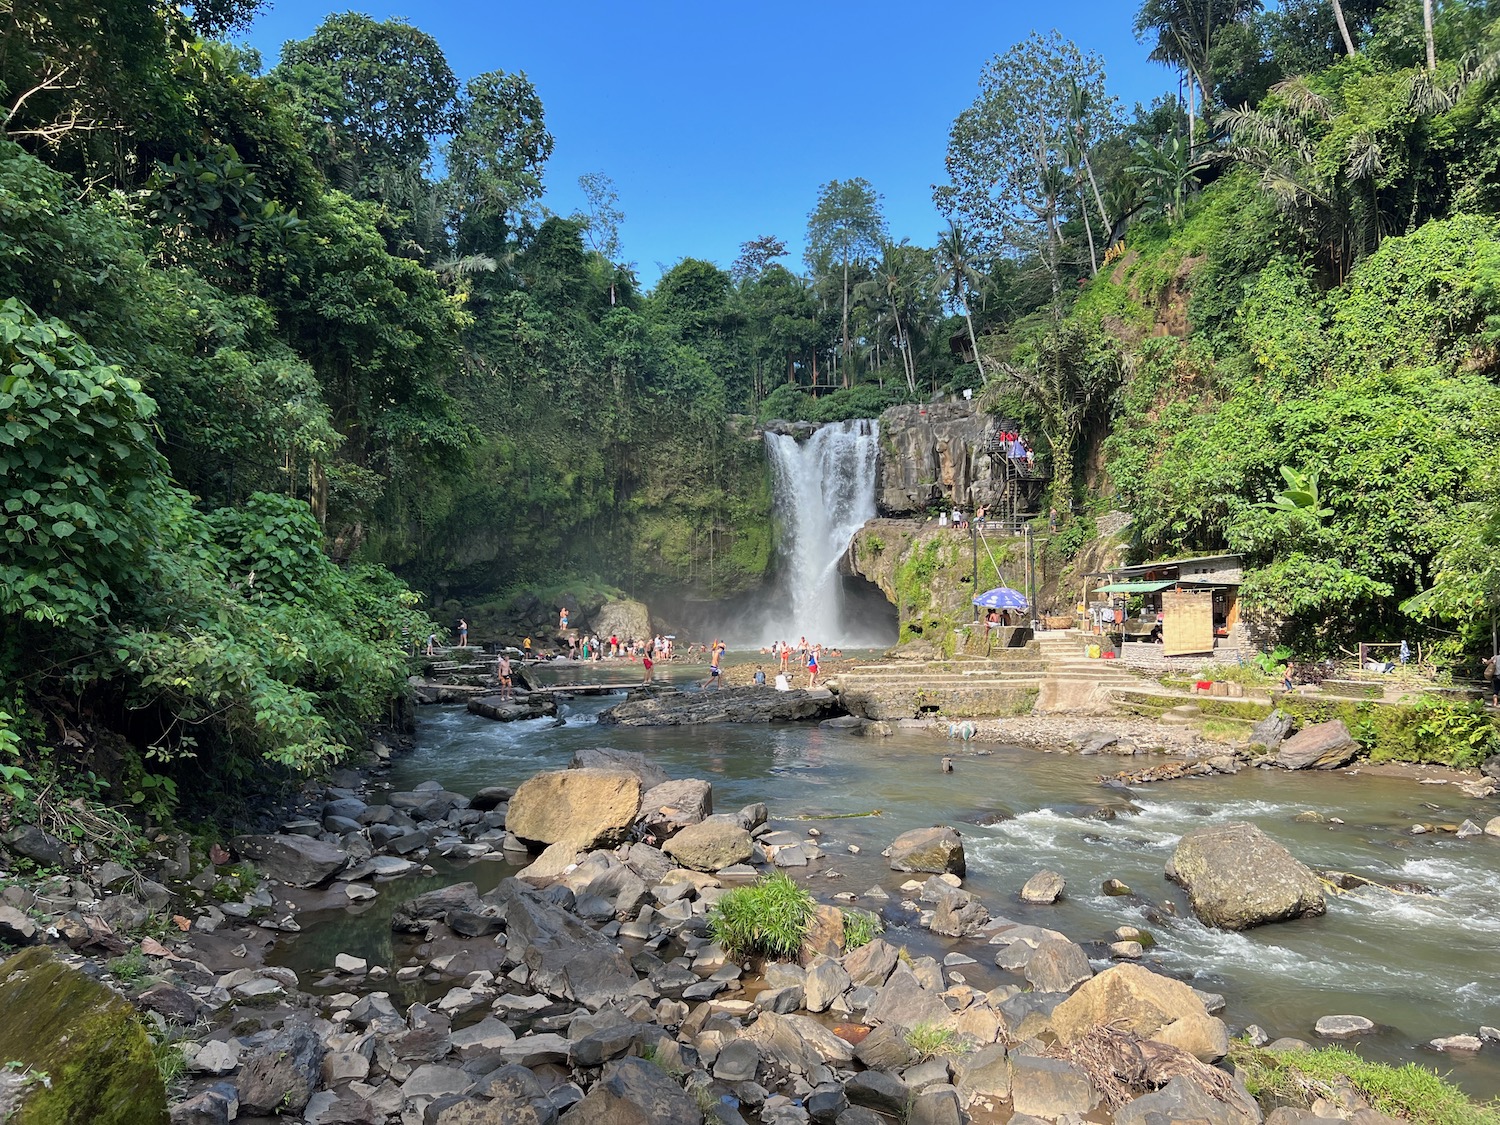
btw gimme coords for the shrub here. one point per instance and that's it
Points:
(768, 919)
(860, 928)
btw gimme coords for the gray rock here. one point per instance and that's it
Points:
(217, 1105)
(825, 982)
(738, 1061)
(298, 861)
(871, 964)
(878, 1090)
(936, 850)
(1343, 1027)
(1238, 877)
(563, 956)
(215, 1056)
(608, 758)
(1456, 1043)
(826, 1102)
(904, 1002)
(1057, 966)
(1050, 1088)
(432, 1080)
(936, 1105)
(488, 1034)
(1322, 746)
(634, 1090)
(30, 842)
(959, 914)
(283, 1073)
(885, 1048)
(15, 927)
(1043, 888)
(597, 1048)
(984, 1073)
(1184, 1100)
(672, 805)
(412, 916)
(711, 845)
(1271, 731)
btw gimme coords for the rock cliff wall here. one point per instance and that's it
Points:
(933, 453)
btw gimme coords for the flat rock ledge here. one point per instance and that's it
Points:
(726, 705)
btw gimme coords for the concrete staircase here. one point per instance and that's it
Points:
(1075, 682)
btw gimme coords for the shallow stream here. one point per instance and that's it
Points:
(1420, 966)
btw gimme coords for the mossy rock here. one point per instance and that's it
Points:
(84, 1038)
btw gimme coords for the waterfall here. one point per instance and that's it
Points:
(824, 491)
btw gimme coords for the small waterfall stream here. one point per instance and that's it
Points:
(824, 491)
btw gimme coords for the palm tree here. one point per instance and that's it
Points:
(1427, 32)
(1338, 15)
(958, 261)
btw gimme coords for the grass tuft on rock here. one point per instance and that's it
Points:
(861, 928)
(768, 919)
(930, 1041)
(1410, 1092)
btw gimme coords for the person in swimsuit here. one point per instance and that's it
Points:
(504, 675)
(714, 671)
(812, 667)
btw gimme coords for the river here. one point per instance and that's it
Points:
(1420, 966)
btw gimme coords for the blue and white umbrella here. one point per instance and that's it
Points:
(1002, 597)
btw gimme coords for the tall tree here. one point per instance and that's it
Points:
(1338, 15)
(1182, 34)
(844, 227)
(958, 260)
(756, 255)
(1427, 35)
(1008, 154)
(601, 224)
(381, 91)
(495, 158)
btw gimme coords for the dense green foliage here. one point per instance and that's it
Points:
(768, 919)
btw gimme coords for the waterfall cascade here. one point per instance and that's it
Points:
(824, 491)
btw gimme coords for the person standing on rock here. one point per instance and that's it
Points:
(463, 633)
(562, 619)
(812, 667)
(431, 644)
(714, 671)
(526, 648)
(504, 675)
(648, 665)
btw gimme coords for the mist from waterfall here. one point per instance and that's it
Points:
(823, 492)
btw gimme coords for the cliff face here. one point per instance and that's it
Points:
(927, 573)
(933, 446)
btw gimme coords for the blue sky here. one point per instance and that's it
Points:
(719, 122)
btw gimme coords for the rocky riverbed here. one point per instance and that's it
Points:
(588, 987)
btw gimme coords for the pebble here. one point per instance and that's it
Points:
(854, 848)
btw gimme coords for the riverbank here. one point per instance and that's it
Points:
(488, 1009)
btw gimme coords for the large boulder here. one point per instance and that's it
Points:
(29, 842)
(1271, 731)
(563, 957)
(711, 844)
(673, 805)
(1322, 746)
(588, 808)
(298, 861)
(1238, 877)
(1127, 998)
(632, 1091)
(626, 619)
(283, 1073)
(936, 850)
(97, 1058)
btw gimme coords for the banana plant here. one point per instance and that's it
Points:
(1299, 495)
